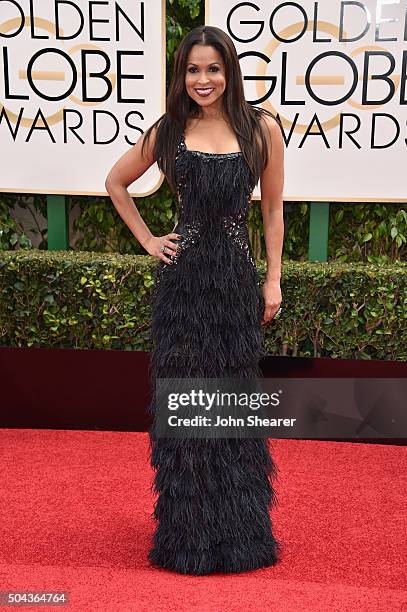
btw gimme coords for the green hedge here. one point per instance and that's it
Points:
(76, 299)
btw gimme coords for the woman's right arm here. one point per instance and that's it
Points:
(126, 170)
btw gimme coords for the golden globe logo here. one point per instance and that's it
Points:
(313, 64)
(54, 72)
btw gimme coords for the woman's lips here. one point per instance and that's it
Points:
(204, 92)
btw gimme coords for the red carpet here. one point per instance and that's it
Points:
(75, 516)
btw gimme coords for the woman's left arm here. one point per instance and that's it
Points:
(271, 187)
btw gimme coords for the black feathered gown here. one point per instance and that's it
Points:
(214, 495)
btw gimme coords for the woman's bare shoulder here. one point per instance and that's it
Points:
(271, 124)
(132, 164)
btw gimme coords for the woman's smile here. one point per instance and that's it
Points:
(204, 91)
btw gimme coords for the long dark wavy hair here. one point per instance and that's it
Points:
(243, 117)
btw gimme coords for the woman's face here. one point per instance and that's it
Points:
(205, 79)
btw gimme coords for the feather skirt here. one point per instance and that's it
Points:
(212, 510)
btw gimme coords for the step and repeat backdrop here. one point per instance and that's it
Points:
(336, 73)
(81, 81)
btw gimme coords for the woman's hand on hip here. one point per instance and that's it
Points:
(154, 246)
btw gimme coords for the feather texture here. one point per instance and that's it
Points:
(213, 495)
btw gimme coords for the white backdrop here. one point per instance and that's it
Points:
(54, 138)
(322, 167)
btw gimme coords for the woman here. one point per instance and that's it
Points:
(208, 310)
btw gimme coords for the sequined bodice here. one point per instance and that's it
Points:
(214, 192)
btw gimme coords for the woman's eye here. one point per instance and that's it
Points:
(214, 68)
